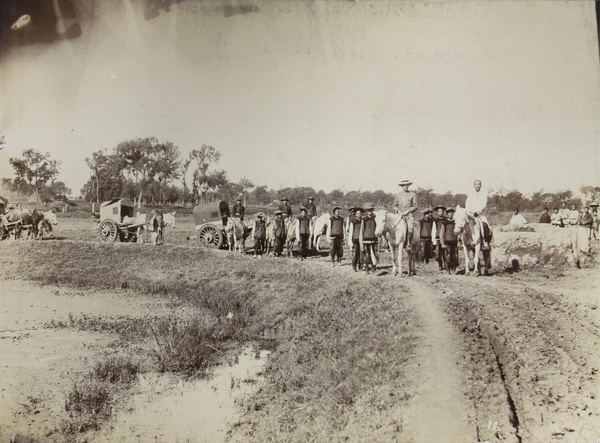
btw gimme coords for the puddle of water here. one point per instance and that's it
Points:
(170, 409)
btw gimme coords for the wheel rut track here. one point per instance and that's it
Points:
(502, 365)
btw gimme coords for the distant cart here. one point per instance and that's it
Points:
(210, 220)
(117, 220)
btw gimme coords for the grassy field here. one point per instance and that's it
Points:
(340, 345)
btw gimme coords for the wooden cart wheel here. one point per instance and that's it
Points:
(210, 237)
(108, 231)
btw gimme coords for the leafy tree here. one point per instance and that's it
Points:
(246, 185)
(2, 142)
(107, 180)
(261, 195)
(147, 160)
(35, 168)
(591, 193)
(203, 158)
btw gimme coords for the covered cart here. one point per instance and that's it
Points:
(210, 220)
(117, 220)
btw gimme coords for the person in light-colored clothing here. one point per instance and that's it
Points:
(405, 204)
(555, 219)
(563, 212)
(573, 216)
(476, 204)
(517, 219)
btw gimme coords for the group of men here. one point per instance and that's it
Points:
(359, 229)
(586, 221)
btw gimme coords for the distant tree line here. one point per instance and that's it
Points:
(154, 173)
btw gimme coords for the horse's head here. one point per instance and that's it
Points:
(50, 216)
(380, 220)
(460, 220)
(170, 219)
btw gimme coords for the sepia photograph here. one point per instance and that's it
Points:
(299, 221)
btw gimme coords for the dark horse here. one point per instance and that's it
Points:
(17, 220)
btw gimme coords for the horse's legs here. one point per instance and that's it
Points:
(393, 257)
(467, 260)
(476, 259)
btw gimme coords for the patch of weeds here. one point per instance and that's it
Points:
(116, 370)
(185, 346)
(89, 403)
(126, 327)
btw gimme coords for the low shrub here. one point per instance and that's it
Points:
(185, 346)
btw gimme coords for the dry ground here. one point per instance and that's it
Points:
(437, 357)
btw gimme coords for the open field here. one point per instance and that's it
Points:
(437, 357)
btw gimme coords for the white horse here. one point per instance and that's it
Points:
(318, 226)
(394, 228)
(169, 219)
(234, 230)
(470, 233)
(45, 224)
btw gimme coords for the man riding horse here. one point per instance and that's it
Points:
(405, 203)
(475, 206)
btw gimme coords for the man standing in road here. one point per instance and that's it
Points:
(405, 203)
(426, 229)
(279, 233)
(354, 223)
(435, 236)
(475, 206)
(259, 233)
(303, 232)
(335, 234)
(368, 239)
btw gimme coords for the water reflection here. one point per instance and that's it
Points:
(166, 408)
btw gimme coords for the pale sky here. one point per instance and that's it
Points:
(329, 94)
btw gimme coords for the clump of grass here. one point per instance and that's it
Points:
(185, 346)
(89, 403)
(117, 370)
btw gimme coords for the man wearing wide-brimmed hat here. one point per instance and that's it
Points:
(449, 240)
(425, 235)
(239, 208)
(311, 209)
(303, 231)
(335, 234)
(285, 208)
(405, 203)
(435, 235)
(279, 233)
(259, 234)
(354, 223)
(368, 239)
